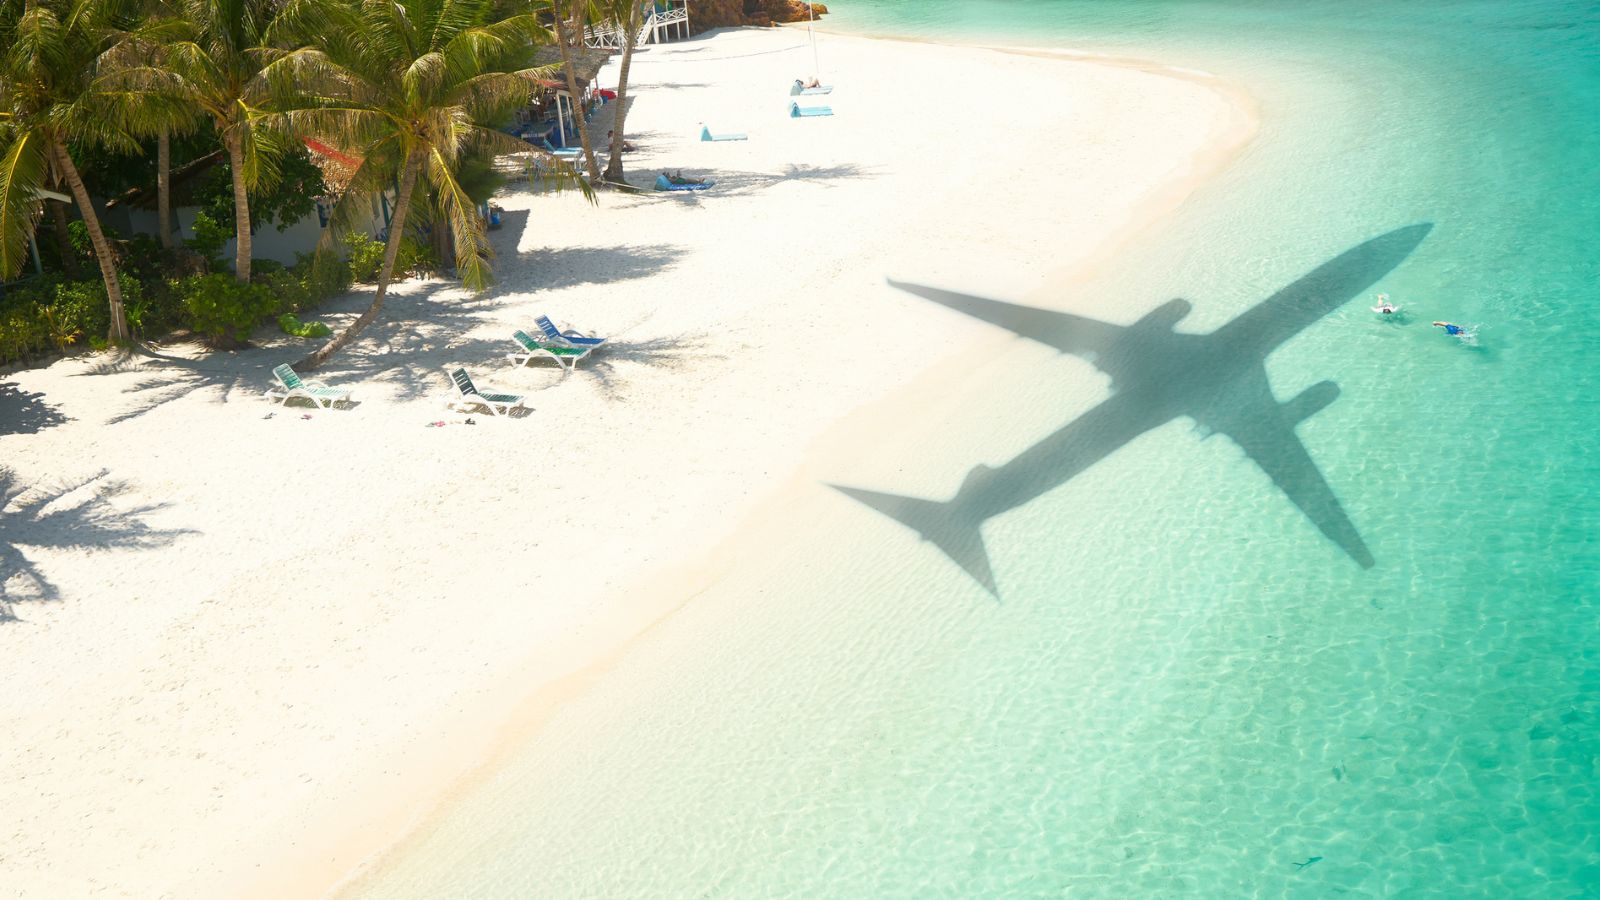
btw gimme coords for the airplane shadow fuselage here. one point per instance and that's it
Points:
(1217, 380)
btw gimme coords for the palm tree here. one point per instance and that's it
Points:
(626, 14)
(49, 50)
(569, 19)
(208, 55)
(408, 85)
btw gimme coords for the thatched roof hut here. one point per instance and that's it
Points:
(586, 64)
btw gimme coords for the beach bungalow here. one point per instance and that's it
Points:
(134, 212)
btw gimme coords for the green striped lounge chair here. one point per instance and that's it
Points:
(468, 395)
(528, 350)
(290, 386)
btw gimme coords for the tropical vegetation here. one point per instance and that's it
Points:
(97, 94)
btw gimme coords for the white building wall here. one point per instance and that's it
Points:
(268, 243)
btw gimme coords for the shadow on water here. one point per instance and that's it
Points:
(1218, 380)
(22, 412)
(72, 516)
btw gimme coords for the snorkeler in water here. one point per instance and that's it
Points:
(1451, 328)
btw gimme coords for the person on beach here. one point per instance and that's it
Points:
(1451, 328)
(627, 145)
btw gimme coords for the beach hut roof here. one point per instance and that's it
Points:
(586, 62)
(182, 180)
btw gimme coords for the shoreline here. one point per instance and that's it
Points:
(408, 781)
(530, 711)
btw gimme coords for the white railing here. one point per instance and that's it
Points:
(610, 37)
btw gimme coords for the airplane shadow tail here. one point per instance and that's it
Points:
(938, 522)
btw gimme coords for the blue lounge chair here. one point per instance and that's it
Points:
(665, 184)
(706, 135)
(795, 90)
(568, 338)
(567, 153)
(796, 111)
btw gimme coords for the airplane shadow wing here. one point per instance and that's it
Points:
(1264, 429)
(1323, 289)
(1065, 332)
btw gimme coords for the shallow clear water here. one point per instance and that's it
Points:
(1186, 688)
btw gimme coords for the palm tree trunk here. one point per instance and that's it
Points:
(241, 207)
(572, 88)
(102, 249)
(397, 227)
(58, 220)
(630, 37)
(164, 187)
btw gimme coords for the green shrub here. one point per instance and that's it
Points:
(82, 246)
(414, 257)
(222, 309)
(157, 310)
(323, 277)
(291, 325)
(144, 259)
(82, 307)
(210, 236)
(366, 256)
(50, 313)
(289, 292)
(22, 331)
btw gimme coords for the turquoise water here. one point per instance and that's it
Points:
(1185, 689)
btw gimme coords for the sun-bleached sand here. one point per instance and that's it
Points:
(251, 651)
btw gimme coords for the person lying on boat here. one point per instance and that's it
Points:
(627, 145)
(679, 178)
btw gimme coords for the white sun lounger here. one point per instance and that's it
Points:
(290, 386)
(467, 394)
(528, 350)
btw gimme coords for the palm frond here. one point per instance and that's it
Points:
(472, 249)
(23, 165)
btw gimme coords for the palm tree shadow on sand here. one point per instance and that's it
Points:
(608, 365)
(22, 412)
(72, 516)
(1217, 380)
(173, 378)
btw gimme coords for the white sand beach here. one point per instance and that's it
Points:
(250, 651)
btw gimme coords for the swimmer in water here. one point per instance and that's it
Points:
(1384, 306)
(1451, 328)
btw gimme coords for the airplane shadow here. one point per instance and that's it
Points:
(1218, 380)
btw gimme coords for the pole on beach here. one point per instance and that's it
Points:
(816, 68)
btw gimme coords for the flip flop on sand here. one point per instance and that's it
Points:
(269, 415)
(306, 416)
(439, 424)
